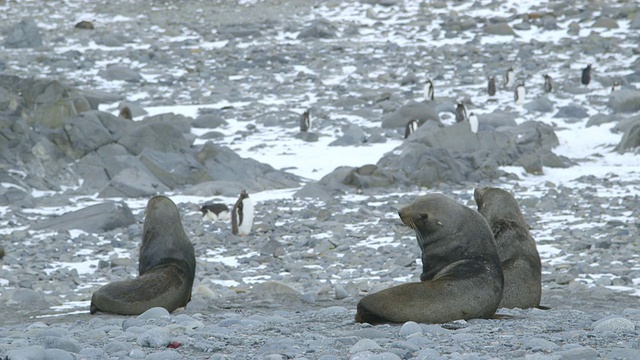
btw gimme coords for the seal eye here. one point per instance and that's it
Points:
(424, 216)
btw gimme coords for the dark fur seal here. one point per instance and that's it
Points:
(461, 274)
(167, 267)
(517, 249)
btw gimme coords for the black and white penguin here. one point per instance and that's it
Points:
(410, 127)
(509, 78)
(520, 93)
(473, 123)
(305, 121)
(586, 75)
(491, 88)
(461, 112)
(242, 215)
(548, 85)
(616, 86)
(428, 90)
(215, 212)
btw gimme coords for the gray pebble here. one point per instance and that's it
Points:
(154, 338)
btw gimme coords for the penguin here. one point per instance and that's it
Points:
(461, 112)
(428, 90)
(215, 212)
(411, 127)
(125, 113)
(548, 86)
(491, 88)
(616, 86)
(242, 215)
(305, 121)
(520, 93)
(586, 75)
(473, 123)
(509, 78)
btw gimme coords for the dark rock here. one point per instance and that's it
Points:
(625, 101)
(120, 72)
(133, 183)
(25, 34)
(572, 112)
(353, 135)
(319, 29)
(410, 111)
(368, 176)
(225, 165)
(93, 219)
(630, 140)
(307, 136)
(84, 133)
(84, 25)
(542, 104)
(499, 29)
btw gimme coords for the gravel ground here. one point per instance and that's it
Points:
(321, 257)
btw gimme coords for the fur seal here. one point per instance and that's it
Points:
(461, 274)
(519, 93)
(517, 249)
(461, 112)
(586, 75)
(215, 212)
(548, 85)
(167, 267)
(411, 127)
(242, 215)
(491, 87)
(305, 121)
(125, 113)
(428, 90)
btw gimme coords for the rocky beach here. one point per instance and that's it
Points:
(216, 90)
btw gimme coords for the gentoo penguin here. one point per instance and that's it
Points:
(215, 212)
(491, 88)
(473, 123)
(428, 90)
(586, 75)
(548, 86)
(519, 93)
(411, 127)
(242, 215)
(509, 78)
(461, 112)
(305, 121)
(616, 86)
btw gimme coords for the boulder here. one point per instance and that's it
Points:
(499, 29)
(133, 183)
(624, 101)
(174, 169)
(571, 111)
(156, 135)
(412, 110)
(353, 135)
(631, 139)
(92, 219)
(24, 34)
(319, 29)
(120, 72)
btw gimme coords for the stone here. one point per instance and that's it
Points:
(25, 34)
(502, 29)
(353, 135)
(97, 218)
(120, 72)
(410, 111)
(624, 101)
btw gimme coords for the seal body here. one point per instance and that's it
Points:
(517, 249)
(167, 267)
(215, 212)
(586, 75)
(461, 274)
(242, 215)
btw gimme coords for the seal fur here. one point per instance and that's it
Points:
(517, 249)
(461, 274)
(167, 267)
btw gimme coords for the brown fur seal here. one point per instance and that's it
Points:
(517, 249)
(461, 275)
(125, 113)
(167, 267)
